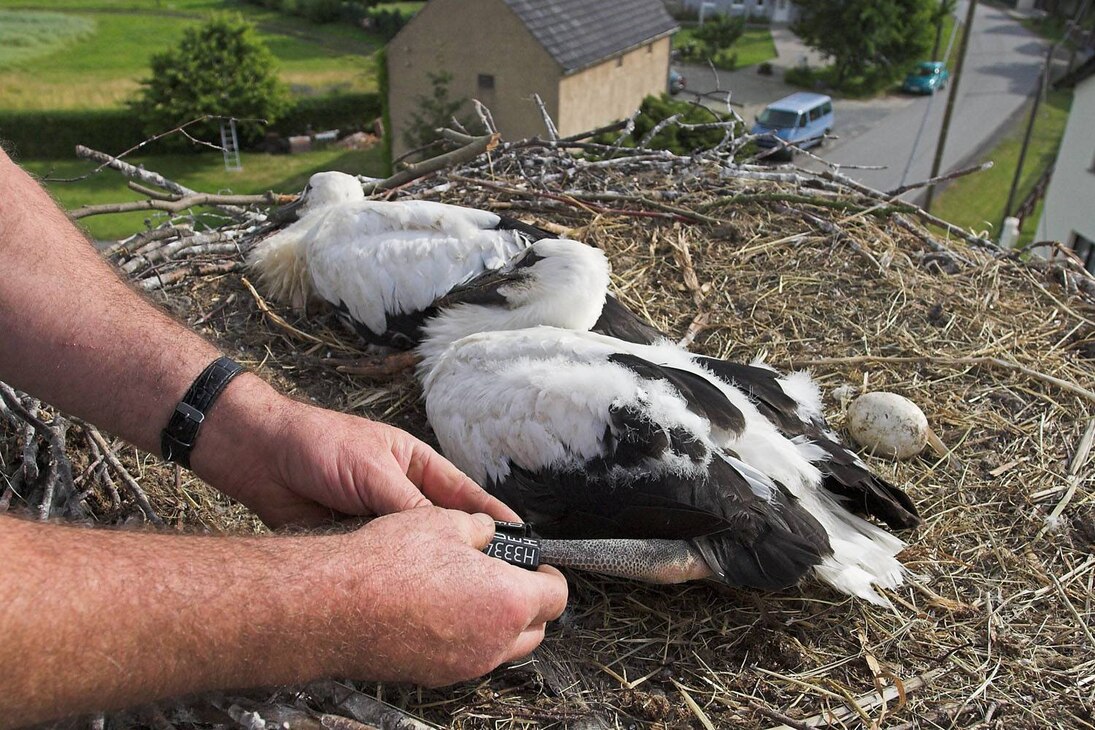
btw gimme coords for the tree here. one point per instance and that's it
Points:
(876, 40)
(433, 111)
(219, 68)
(719, 32)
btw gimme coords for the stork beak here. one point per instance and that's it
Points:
(287, 213)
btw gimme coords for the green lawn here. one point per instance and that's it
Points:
(204, 172)
(977, 201)
(101, 67)
(26, 35)
(754, 46)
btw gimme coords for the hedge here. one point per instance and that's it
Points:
(345, 112)
(54, 135)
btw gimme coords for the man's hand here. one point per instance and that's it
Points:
(296, 464)
(143, 616)
(440, 611)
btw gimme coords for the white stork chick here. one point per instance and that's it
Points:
(593, 438)
(381, 264)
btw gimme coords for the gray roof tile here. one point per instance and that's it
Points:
(578, 33)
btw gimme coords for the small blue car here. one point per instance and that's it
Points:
(677, 82)
(803, 119)
(927, 78)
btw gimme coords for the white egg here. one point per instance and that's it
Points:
(887, 424)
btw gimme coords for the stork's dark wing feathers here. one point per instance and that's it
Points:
(506, 223)
(618, 321)
(403, 331)
(863, 491)
(702, 396)
(843, 473)
(747, 541)
(761, 553)
(762, 385)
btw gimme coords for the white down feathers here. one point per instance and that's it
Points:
(378, 258)
(540, 398)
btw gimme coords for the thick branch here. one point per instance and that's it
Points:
(464, 154)
(179, 204)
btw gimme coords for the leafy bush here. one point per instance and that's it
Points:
(672, 137)
(319, 11)
(219, 68)
(804, 76)
(690, 50)
(386, 22)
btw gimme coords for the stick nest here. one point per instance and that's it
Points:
(995, 627)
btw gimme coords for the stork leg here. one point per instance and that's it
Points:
(382, 367)
(650, 561)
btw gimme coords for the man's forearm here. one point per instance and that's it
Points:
(97, 619)
(73, 333)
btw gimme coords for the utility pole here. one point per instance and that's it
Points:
(1038, 93)
(1043, 79)
(952, 95)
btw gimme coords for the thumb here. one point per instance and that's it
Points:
(475, 530)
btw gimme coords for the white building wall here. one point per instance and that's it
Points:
(752, 8)
(1070, 198)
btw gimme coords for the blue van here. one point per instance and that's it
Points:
(803, 119)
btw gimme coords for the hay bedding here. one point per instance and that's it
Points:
(995, 628)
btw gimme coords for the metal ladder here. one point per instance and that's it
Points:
(231, 145)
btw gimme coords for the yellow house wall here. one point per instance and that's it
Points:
(613, 89)
(467, 38)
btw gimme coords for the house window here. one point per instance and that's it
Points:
(619, 61)
(759, 4)
(737, 3)
(486, 81)
(649, 47)
(1084, 249)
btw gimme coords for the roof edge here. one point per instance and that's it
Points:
(629, 49)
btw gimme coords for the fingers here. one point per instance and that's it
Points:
(447, 486)
(553, 594)
(528, 640)
(545, 587)
(475, 530)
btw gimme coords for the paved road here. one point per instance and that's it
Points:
(1000, 74)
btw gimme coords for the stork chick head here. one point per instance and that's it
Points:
(554, 282)
(330, 188)
(281, 259)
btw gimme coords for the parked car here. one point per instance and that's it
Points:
(803, 119)
(927, 78)
(677, 82)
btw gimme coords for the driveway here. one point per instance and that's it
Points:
(900, 132)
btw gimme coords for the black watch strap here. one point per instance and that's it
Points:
(181, 433)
